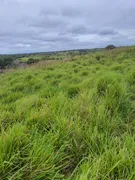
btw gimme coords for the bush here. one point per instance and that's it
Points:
(110, 47)
(31, 61)
(5, 61)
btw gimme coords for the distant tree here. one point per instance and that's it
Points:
(31, 61)
(5, 62)
(110, 47)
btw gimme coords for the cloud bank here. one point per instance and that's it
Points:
(38, 25)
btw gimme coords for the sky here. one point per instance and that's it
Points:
(52, 25)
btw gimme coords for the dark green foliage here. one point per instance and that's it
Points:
(98, 57)
(73, 91)
(110, 47)
(76, 70)
(85, 73)
(31, 61)
(5, 62)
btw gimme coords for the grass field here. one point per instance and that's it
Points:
(51, 56)
(70, 120)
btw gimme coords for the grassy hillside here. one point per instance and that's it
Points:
(21, 60)
(72, 120)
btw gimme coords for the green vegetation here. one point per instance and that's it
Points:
(19, 60)
(71, 120)
(110, 47)
(5, 62)
(31, 61)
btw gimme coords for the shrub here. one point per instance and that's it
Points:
(5, 61)
(110, 47)
(31, 61)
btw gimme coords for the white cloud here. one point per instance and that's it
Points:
(20, 45)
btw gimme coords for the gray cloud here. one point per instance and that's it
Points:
(70, 12)
(36, 25)
(108, 32)
(77, 29)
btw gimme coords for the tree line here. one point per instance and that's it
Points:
(5, 61)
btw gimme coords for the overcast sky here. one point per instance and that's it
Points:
(48, 25)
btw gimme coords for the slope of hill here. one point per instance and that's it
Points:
(70, 119)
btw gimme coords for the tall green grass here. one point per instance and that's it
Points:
(70, 120)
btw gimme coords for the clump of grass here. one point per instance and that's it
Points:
(131, 78)
(105, 81)
(115, 94)
(74, 65)
(76, 70)
(117, 67)
(73, 91)
(59, 75)
(12, 150)
(84, 73)
(99, 56)
(50, 68)
(18, 87)
(55, 82)
(28, 77)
